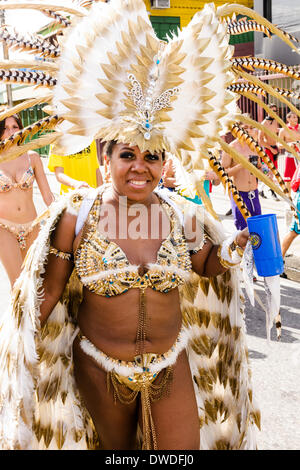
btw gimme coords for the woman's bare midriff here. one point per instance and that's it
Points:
(17, 206)
(111, 323)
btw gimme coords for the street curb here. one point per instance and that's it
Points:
(292, 268)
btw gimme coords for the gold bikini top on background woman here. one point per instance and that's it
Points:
(26, 182)
(103, 267)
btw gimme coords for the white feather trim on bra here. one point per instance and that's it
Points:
(172, 268)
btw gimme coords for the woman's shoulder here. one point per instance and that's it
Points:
(63, 213)
(33, 153)
(33, 156)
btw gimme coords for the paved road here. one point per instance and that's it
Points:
(275, 366)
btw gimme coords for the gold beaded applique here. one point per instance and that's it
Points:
(104, 268)
(61, 254)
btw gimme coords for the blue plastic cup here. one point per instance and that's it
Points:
(264, 237)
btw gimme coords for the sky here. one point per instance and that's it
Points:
(26, 20)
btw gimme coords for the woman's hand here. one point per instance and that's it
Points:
(242, 238)
(211, 175)
(81, 184)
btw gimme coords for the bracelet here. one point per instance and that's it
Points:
(230, 253)
(60, 254)
(238, 248)
(198, 248)
(223, 262)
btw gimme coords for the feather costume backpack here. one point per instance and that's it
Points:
(111, 78)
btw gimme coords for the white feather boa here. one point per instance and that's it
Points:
(40, 406)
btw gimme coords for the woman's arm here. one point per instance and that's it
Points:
(282, 135)
(168, 177)
(211, 176)
(229, 166)
(262, 138)
(99, 178)
(60, 264)
(41, 178)
(208, 261)
(67, 180)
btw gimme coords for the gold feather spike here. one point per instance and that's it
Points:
(229, 9)
(252, 63)
(242, 87)
(239, 158)
(64, 22)
(244, 26)
(41, 217)
(269, 89)
(16, 151)
(205, 199)
(228, 184)
(27, 77)
(25, 105)
(89, 3)
(266, 130)
(30, 43)
(65, 5)
(243, 136)
(18, 137)
(288, 35)
(269, 111)
(34, 65)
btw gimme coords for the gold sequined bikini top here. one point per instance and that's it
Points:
(104, 269)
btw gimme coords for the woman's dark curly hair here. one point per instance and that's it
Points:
(16, 118)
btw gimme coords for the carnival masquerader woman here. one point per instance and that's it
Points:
(140, 338)
(124, 332)
(17, 211)
(130, 315)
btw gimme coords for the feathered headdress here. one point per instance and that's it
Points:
(111, 78)
(122, 83)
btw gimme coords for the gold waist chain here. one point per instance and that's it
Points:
(142, 324)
